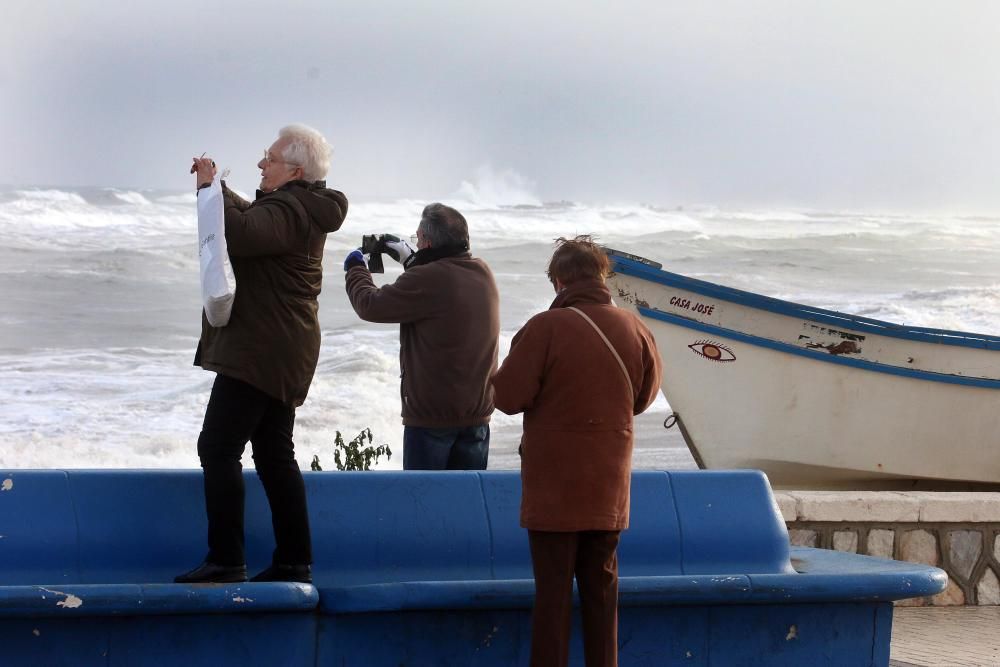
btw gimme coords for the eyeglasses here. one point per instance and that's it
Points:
(269, 160)
(414, 240)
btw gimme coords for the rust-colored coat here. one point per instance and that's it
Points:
(577, 444)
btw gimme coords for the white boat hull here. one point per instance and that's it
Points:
(819, 399)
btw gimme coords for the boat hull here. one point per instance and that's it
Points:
(818, 399)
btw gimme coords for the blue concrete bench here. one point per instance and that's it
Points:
(422, 569)
(707, 577)
(87, 559)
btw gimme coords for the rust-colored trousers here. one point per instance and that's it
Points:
(555, 558)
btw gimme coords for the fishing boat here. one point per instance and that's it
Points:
(818, 398)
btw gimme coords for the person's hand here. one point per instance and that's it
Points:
(398, 249)
(204, 167)
(356, 258)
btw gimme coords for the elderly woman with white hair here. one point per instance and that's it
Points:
(266, 355)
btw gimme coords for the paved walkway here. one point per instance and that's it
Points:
(946, 636)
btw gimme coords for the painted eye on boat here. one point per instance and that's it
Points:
(712, 351)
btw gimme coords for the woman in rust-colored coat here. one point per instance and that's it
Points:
(578, 398)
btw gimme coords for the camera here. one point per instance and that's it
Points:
(373, 245)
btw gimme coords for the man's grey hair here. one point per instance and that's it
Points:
(444, 226)
(308, 149)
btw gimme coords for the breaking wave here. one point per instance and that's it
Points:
(101, 302)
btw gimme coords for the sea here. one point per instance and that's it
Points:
(100, 307)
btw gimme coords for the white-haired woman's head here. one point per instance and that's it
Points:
(308, 149)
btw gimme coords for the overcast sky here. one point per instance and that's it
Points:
(843, 103)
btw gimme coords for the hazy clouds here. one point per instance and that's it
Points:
(847, 104)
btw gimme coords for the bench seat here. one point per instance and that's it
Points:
(422, 568)
(76, 600)
(829, 578)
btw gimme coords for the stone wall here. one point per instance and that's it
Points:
(958, 532)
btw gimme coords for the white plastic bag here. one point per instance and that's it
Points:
(218, 284)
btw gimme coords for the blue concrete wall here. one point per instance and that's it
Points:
(421, 568)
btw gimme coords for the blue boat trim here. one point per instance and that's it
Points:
(789, 308)
(815, 355)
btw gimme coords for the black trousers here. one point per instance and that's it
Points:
(237, 413)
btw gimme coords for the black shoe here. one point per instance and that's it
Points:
(210, 573)
(279, 572)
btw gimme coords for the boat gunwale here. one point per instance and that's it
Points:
(637, 269)
(780, 346)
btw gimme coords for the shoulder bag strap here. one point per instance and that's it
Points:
(621, 364)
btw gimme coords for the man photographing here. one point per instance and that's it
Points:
(265, 356)
(447, 306)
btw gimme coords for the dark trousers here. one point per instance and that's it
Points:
(237, 413)
(465, 448)
(555, 558)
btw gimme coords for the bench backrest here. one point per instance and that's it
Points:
(370, 527)
(680, 523)
(38, 535)
(111, 526)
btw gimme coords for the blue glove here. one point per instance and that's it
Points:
(356, 258)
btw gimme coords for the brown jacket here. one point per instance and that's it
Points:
(577, 443)
(276, 249)
(449, 325)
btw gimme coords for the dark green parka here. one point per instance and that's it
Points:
(276, 249)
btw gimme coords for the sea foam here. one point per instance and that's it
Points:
(101, 312)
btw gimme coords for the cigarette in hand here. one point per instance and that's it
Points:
(194, 167)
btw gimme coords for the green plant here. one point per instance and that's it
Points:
(356, 454)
